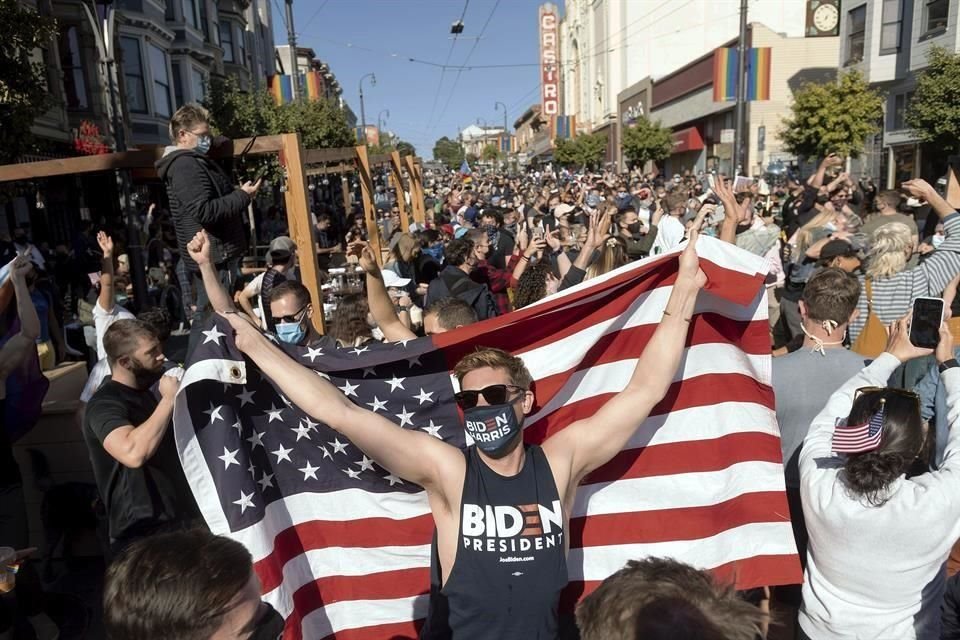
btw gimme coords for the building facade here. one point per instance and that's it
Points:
(888, 40)
(166, 52)
(327, 85)
(608, 47)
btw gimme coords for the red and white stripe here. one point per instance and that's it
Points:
(700, 481)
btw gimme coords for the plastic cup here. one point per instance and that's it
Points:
(8, 576)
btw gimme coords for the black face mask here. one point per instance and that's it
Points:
(270, 626)
(634, 228)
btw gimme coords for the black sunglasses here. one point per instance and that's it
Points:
(494, 394)
(293, 318)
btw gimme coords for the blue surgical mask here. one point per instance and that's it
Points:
(936, 241)
(435, 252)
(203, 144)
(830, 227)
(494, 429)
(291, 332)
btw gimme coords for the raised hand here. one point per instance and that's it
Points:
(598, 231)
(918, 188)
(689, 271)
(106, 244)
(21, 266)
(199, 248)
(365, 255)
(550, 237)
(244, 332)
(898, 341)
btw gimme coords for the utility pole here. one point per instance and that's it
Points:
(363, 113)
(292, 42)
(740, 125)
(259, 66)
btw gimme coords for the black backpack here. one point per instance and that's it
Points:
(473, 293)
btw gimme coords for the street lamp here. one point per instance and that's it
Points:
(102, 17)
(363, 115)
(500, 104)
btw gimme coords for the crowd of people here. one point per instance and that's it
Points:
(875, 526)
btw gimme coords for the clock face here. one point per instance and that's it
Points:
(825, 17)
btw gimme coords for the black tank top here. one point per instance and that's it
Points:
(510, 564)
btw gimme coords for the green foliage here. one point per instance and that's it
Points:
(490, 153)
(934, 111)
(406, 149)
(24, 94)
(647, 141)
(832, 117)
(472, 159)
(587, 150)
(449, 152)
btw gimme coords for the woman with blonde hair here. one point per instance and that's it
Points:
(613, 255)
(404, 251)
(889, 287)
(819, 227)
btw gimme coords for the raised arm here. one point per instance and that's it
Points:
(832, 160)
(381, 307)
(411, 455)
(732, 211)
(106, 297)
(17, 347)
(199, 250)
(598, 233)
(919, 188)
(592, 442)
(250, 292)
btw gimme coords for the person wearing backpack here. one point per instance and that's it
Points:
(454, 280)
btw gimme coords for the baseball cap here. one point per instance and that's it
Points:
(837, 248)
(391, 279)
(562, 209)
(283, 243)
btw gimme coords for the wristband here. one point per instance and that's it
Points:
(948, 364)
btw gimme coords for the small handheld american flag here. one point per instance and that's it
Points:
(860, 438)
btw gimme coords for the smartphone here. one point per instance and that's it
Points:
(926, 321)
(742, 183)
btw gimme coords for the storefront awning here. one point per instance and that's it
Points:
(687, 140)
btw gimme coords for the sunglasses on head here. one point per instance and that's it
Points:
(289, 319)
(494, 394)
(903, 393)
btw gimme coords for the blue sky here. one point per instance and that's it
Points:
(361, 36)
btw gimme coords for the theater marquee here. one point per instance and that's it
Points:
(549, 60)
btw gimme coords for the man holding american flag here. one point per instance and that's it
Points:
(501, 509)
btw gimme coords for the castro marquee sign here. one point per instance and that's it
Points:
(549, 60)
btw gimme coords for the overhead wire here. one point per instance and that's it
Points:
(443, 70)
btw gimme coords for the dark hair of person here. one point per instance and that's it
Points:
(662, 599)
(495, 214)
(349, 320)
(428, 237)
(123, 336)
(174, 585)
(869, 475)
(532, 285)
(290, 287)
(452, 313)
(831, 294)
(158, 320)
(458, 251)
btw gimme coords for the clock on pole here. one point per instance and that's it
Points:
(823, 18)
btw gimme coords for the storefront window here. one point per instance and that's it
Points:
(905, 161)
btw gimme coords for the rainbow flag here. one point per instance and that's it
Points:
(564, 127)
(313, 84)
(280, 89)
(725, 74)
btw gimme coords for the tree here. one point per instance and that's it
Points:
(490, 153)
(934, 111)
(587, 150)
(832, 117)
(647, 141)
(24, 94)
(405, 148)
(449, 152)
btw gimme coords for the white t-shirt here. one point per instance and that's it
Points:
(102, 321)
(255, 287)
(670, 233)
(102, 369)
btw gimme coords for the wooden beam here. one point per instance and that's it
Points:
(345, 192)
(341, 167)
(136, 159)
(327, 156)
(370, 212)
(401, 193)
(416, 191)
(261, 145)
(301, 227)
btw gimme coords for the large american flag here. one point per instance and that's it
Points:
(342, 547)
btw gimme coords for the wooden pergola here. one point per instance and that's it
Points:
(298, 163)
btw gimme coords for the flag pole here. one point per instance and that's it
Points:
(740, 125)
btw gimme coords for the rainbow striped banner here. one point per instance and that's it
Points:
(313, 84)
(725, 62)
(281, 89)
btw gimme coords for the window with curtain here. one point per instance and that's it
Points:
(161, 82)
(901, 102)
(74, 82)
(177, 71)
(190, 13)
(935, 13)
(890, 26)
(241, 46)
(204, 20)
(856, 32)
(226, 41)
(199, 81)
(134, 87)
